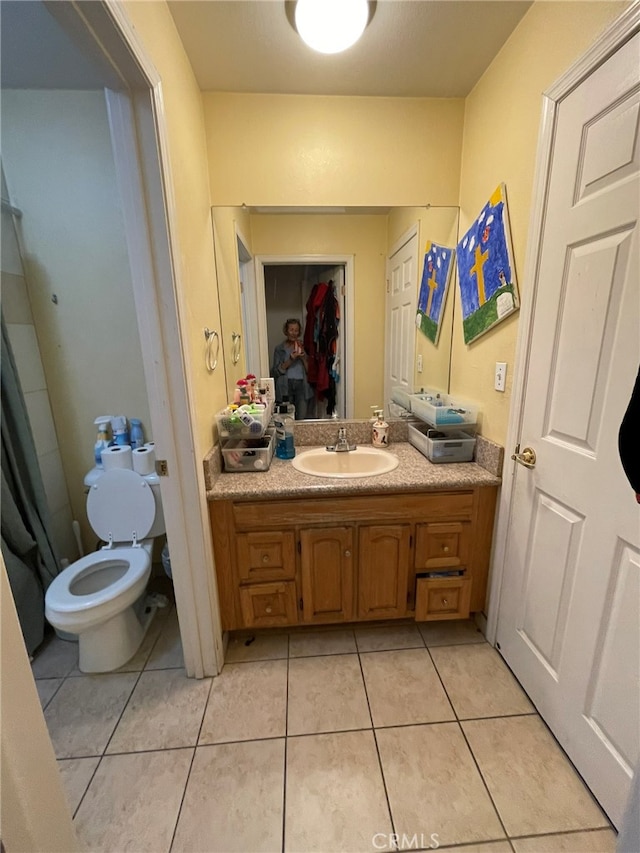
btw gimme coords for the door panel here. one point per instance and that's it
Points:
(569, 616)
(383, 570)
(327, 574)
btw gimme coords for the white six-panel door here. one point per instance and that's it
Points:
(402, 303)
(569, 614)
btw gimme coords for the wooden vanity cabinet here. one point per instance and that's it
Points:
(346, 559)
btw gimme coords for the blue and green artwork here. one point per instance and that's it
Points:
(436, 274)
(486, 274)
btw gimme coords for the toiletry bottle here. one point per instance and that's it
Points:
(102, 440)
(380, 431)
(120, 431)
(291, 409)
(137, 436)
(285, 448)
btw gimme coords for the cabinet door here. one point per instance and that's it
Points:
(383, 570)
(327, 574)
(442, 545)
(268, 604)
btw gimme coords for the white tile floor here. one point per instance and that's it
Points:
(317, 740)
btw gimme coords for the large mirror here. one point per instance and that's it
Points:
(361, 267)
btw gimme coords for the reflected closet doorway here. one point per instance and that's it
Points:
(283, 287)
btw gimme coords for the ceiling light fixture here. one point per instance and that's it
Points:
(330, 26)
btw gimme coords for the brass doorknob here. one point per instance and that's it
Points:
(526, 458)
(347, 553)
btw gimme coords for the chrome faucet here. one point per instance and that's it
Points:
(342, 445)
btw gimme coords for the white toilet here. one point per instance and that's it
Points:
(101, 596)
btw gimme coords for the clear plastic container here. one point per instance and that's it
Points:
(454, 446)
(232, 425)
(443, 409)
(248, 455)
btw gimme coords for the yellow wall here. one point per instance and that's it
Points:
(330, 150)
(225, 220)
(34, 814)
(502, 117)
(197, 286)
(365, 237)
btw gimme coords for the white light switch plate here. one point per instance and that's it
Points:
(419, 364)
(501, 375)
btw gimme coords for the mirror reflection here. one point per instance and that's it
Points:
(350, 277)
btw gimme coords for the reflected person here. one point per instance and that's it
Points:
(289, 369)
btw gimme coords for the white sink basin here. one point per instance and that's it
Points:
(361, 462)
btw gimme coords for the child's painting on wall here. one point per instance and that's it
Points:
(486, 273)
(436, 275)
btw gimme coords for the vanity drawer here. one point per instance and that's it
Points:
(266, 556)
(266, 605)
(442, 598)
(442, 545)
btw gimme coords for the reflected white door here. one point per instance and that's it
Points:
(569, 618)
(402, 303)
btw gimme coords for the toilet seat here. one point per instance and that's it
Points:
(60, 597)
(121, 506)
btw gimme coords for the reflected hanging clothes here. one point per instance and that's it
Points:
(321, 341)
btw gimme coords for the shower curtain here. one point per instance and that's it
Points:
(27, 546)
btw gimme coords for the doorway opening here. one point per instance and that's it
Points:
(287, 287)
(313, 294)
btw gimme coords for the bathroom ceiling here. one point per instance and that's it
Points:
(411, 48)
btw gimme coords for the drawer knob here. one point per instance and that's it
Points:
(445, 548)
(347, 553)
(267, 609)
(265, 558)
(445, 602)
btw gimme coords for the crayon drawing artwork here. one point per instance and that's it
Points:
(436, 275)
(486, 273)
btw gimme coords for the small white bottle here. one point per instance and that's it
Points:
(380, 430)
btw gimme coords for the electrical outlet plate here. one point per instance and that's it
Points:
(501, 375)
(419, 364)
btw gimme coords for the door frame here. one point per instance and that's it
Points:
(141, 152)
(348, 261)
(409, 234)
(610, 40)
(246, 266)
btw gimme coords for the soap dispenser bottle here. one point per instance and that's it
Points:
(285, 447)
(380, 430)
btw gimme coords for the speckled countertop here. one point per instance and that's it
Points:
(414, 473)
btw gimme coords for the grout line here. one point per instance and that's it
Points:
(495, 808)
(193, 757)
(375, 740)
(286, 741)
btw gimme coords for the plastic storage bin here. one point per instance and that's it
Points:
(452, 411)
(248, 454)
(455, 446)
(401, 397)
(231, 426)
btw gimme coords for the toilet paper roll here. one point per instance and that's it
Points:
(144, 460)
(116, 456)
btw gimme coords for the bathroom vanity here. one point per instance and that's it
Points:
(292, 549)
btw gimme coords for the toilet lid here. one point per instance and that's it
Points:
(122, 504)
